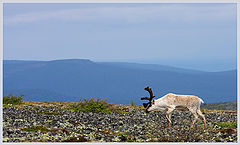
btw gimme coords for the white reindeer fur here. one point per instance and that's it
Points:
(172, 101)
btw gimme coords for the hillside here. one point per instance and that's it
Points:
(121, 83)
(221, 106)
(54, 122)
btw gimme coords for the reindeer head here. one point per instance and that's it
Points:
(149, 104)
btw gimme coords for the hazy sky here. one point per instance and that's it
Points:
(199, 36)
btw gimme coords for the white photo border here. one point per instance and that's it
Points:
(237, 2)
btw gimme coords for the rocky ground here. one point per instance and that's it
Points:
(52, 122)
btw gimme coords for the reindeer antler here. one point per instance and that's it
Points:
(148, 98)
(150, 93)
(145, 98)
(149, 90)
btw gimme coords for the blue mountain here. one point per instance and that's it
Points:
(120, 83)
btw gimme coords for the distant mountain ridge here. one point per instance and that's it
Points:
(122, 83)
(156, 67)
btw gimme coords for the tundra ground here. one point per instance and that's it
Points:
(53, 122)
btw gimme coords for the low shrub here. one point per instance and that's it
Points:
(95, 105)
(91, 105)
(11, 99)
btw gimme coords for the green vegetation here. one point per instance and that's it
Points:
(227, 124)
(45, 129)
(95, 106)
(14, 100)
(122, 133)
(5, 106)
(91, 105)
(133, 103)
(116, 110)
(36, 128)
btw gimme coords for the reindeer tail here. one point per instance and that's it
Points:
(201, 100)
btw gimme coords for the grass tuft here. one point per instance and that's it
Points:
(133, 103)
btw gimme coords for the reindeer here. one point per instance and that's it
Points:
(171, 101)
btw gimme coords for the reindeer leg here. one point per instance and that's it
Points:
(204, 120)
(168, 120)
(194, 112)
(168, 116)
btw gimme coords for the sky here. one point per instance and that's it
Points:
(196, 36)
